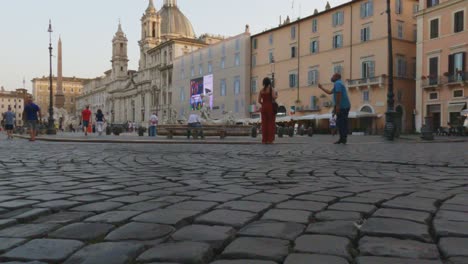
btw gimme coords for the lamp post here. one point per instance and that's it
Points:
(51, 127)
(272, 63)
(390, 115)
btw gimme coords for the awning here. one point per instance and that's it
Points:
(456, 108)
(353, 115)
(306, 117)
(283, 119)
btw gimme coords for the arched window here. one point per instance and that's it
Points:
(366, 109)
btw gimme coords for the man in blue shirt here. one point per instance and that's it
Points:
(9, 118)
(31, 114)
(342, 106)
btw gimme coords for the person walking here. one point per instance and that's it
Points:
(32, 113)
(265, 98)
(100, 121)
(342, 106)
(9, 121)
(153, 122)
(85, 118)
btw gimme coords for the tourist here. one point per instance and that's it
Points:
(342, 106)
(153, 122)
(9, 121)
(31, 114)
(86, 118)
(266, 98)
(333, 124)
(194, 121)
(100, 121)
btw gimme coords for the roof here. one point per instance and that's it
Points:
(174, 22)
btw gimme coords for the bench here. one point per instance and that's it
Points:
(195, 132)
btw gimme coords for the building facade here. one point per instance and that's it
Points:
(72, 87)
(442, 78)
(350, 39)
(223, 72)
(133, 95)
(15, 100)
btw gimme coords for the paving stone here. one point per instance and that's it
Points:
(459, 199)
(90, 198)
(140, 231)
(458, 260)
(323, 244)
(7, 243)
(452, 216)
(384, 260)
(226, 217)
(317, 198)
(281, 230)
(58, 204)
(445, 228)
(113, 217)
(454, 246)
(218, 197)
(28, 230)
(243, 261)
(19, 203)
(108, 252)
(168, 216)
(45, 250)
(254, 207)
(193, 205)
(82, 231)
(412, 203)
(284, 215)
(171, 199)
(366, 209)
(7, 223)
(29, 262)
(330, 215)
(97, 207)
(4, 198)
(131, 199)
(302, 205)
(396, 228)
(392, 247)
(144, 206)
(49, 197)
(184, 252)
(257, 248)
(336, 228)
(216, 236)
(416, 216)
(267, 197)
(298, 258)
(454, 207)
(63, 217)
(363, 200)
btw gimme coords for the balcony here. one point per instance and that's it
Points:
(460, 78)
(366, 82)
(431, 82)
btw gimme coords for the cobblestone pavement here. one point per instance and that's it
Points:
(369, 202)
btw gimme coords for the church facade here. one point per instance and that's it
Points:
(125, 95)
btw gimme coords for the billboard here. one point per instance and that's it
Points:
(201, 92)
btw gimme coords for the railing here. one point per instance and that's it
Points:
(457, 78)
(431, 81)
(379, 80)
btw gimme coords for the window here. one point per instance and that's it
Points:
(253, 85)
(365, 95)
(338, 18)
(293, 32)
(182, 94)
(433, 96)
(292, 80)
(400, 30)
(434, 28)
(237, 59)
(293, 52)
(415, 8)
(457, 66)
(458, 21)
(314, 46)
(200, 56)
(313, 77)
(223, 87)
(270, 39)
(255, 43)
(314, 25)
(271, 59)
(237, 44)
(398, 7)
(457, 93)
(338, 41)
(431, 3)
(365, 34)
(338, 68)
(236, 106)
(200, 69)
(210, 53)
(401, 67)
(192, 71)
(415, 33)
(210, 67)
(223, 49)
(223, 62)
(237, 85)
(367, 9)
(254, 60)
(368, 69)
(434, 70)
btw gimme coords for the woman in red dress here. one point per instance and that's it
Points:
(265, 99)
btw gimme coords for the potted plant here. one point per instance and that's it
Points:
(141, 131)
(117, 130)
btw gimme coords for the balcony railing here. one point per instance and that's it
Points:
(457, 78)
(372, 81)
(432, 81)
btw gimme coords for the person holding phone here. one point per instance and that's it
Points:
(342, 106)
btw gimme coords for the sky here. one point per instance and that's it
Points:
(86, 28)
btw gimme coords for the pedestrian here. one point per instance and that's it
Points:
(266, 97)
(9, 121)
(100, 121)
(153, 122)
(333, 124)
(86, 118)
(195, 122)
(32, 113)
(342, 106)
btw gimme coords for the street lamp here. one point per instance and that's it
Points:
(390, 115)
(51, 127)
(272, 63)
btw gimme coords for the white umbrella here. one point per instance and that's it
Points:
(464, 112)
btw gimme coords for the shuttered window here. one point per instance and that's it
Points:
(434, 28)
(458, 22)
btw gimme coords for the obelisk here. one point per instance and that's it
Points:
(59, 96)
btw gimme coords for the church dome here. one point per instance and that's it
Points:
(174, 23)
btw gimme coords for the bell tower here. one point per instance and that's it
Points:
(119, 54)
(150, 32)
